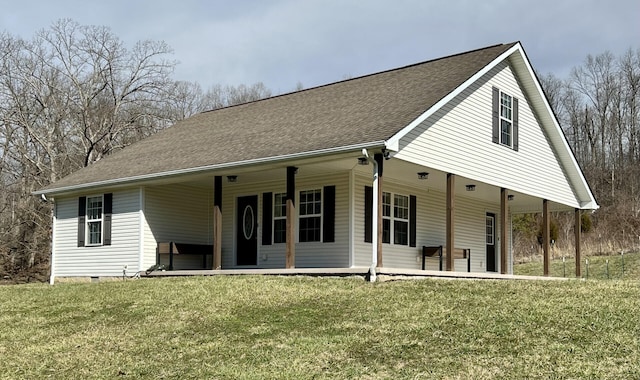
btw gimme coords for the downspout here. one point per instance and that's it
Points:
(374, 219)
(54, 217)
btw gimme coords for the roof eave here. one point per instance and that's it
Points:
(201, 169)
(393, 143)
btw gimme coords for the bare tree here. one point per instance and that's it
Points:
(68, 97)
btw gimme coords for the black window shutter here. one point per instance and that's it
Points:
(267, 218)
(368, 211)
(496, 115)
(82, 212)
(515, 124)
(412, 220)
(108, 210)
(329, 215)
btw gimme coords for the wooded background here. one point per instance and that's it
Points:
(73, 94)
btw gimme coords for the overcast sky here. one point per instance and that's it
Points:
(282, 42)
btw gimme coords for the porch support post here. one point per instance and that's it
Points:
(380, 160)
(578, 233)
(451, 181)
(217, 223)
(290, 256)
(504, 205)
(545, 236)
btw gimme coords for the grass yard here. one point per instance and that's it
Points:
(301, 327)
(630, 262)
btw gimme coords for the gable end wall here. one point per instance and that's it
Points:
(458, 139)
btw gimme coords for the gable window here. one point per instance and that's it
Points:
(310, 215)
(505, 119)
(94, 220)
(280, 218)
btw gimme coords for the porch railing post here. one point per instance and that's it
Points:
(290, 256)
(546, 236)
(578, 233)
(503, 230)
(451, 181)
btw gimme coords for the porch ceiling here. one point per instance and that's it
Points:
(398, 171)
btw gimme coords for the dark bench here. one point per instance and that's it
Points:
(440, 252)
(172, 248)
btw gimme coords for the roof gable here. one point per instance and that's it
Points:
(564, 177)
(351, 114)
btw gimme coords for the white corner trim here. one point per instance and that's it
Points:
(393, 143)
(141, 225)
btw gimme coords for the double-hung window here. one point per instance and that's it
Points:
(506, 119)
(310, 215)
(399, 219)
(280, 218)
(94, 220)
(386, 218)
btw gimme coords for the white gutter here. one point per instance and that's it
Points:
(178, 172)
(374, 219)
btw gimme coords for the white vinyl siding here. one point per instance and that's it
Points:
(469, 229)
(458, 139)
(182, 214)
(98, 261)
(308, 254)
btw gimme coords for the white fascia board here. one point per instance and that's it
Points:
(591, 204)
(179, 172)
(393, 143)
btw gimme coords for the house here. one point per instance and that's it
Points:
(382, 170)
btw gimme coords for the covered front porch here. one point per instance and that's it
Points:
(249, 217)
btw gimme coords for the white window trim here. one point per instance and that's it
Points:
(88, 221)
(392, 218)
(300, 216)
(283, 217)
(501, 118)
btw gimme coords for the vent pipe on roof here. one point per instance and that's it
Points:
(374, 218)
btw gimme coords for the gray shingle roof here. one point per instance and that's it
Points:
(362, 110)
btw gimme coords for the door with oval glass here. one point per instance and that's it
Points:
(247, 230)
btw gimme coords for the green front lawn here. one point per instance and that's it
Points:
(303, 327)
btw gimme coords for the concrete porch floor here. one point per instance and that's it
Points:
(383, 274)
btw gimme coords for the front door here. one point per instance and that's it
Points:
(491, 242)
(247, 231)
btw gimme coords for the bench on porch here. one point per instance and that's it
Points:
(172, 248)
(441, 252)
